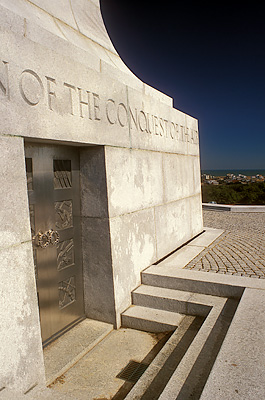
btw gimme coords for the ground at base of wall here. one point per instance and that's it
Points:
(95, 375)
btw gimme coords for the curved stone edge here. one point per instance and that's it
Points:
(74, 27)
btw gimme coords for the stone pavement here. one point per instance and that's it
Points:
(95, 375)
(240, 250)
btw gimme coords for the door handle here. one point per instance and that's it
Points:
(43, 240)
(53, 236)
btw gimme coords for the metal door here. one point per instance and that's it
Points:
(54, 201)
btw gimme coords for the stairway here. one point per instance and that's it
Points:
(150, 319)
(158, 309)
(199, 316)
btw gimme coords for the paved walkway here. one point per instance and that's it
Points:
(240, 250)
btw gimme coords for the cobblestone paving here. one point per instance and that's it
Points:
(240, 250)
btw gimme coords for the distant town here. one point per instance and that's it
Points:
(231, 178)
(233, 188)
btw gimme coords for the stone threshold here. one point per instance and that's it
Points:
(68, 349)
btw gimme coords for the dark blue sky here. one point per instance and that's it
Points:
(210, 59)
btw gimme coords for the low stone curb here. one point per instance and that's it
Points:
(226, 207)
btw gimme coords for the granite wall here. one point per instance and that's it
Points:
(62, 82)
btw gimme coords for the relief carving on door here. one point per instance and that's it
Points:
(54, 206)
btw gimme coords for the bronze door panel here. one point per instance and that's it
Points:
(53, 188)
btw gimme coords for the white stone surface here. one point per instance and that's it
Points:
(19, 330)
(180, 258)
(155, 126)
(149, 90)
(61, 9)
(128, 186)
(81, 339)
(12, 22)
(146, 222)
(99, 296)
(186, 364)
(58, 43)
(94, 198)
(27, 11)
(134, 180)
(90, 23)
(150, 374)
(94, 377)
(199, 282)
(63, 82)
(82, 16)
(14, 212)
(20, 349)
(173, 300)
(239, 368)
(79, 24)
(179, 175)
(46, 102)
(206, 238)
(173, 226)
(133, 247)
(150, 319)
(196, 222)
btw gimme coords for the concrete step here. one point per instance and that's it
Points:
(173, 300)
(181, 368)
(150, 319)
(168, 352)
(191, 281)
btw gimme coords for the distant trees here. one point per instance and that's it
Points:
(234, 193)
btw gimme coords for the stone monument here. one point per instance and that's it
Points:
(100, 178)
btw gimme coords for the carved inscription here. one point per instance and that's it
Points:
(51, 83)
(70, 94)
(144, 122)
(66, 98)
(4, 79)
(31, 87)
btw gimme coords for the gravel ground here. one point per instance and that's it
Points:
(240, 250)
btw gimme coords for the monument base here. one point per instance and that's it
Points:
(78, 230)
